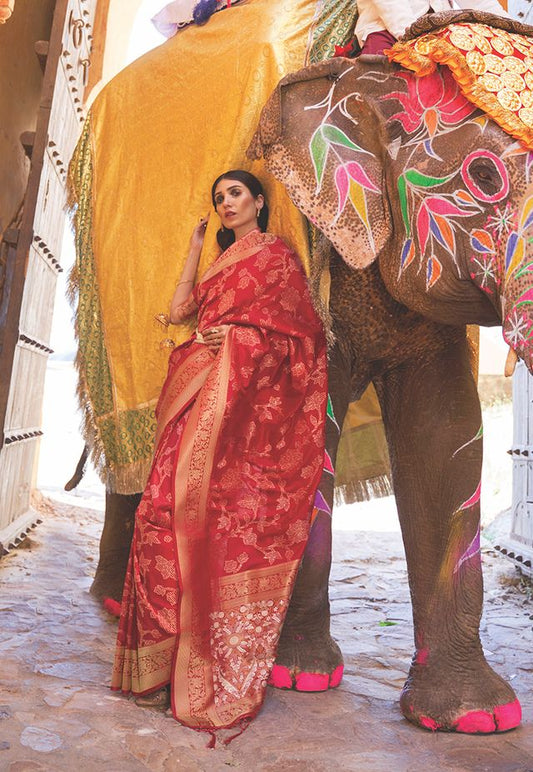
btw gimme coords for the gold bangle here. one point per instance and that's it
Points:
(188, 281)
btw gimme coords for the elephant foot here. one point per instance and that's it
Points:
(474, 701)
(282, 678)
(311, 664)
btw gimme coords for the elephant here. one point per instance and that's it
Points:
(423, 204)
(427, 207)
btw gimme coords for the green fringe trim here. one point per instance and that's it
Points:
(120, 442)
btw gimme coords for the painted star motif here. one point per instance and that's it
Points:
(502, 221)
(516, 329)
(485, 271)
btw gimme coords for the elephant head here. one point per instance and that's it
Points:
(405, 170)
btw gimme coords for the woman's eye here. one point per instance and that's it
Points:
(236, 193)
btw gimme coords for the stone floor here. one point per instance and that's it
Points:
(56, 645)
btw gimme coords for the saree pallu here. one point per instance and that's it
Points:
(224, 518)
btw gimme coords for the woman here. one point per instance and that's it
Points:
(224, 518)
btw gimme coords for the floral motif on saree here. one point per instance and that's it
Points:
(224, 518)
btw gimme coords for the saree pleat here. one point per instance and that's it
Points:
(225, 515)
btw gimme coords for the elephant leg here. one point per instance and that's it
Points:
(115, 546)
(433, 422)
(308, 659)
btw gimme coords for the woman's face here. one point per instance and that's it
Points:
(236, 206)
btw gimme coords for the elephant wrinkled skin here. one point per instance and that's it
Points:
(428, 205)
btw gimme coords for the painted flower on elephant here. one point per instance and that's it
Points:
(431, 105)
(430, 219)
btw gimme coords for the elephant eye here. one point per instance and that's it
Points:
(485, 176)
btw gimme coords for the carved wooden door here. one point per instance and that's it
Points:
(34, 260)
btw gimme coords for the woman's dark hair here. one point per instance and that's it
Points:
(226, 236)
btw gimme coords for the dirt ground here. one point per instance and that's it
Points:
(56, 647)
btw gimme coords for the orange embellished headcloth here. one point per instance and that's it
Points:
(492, 66)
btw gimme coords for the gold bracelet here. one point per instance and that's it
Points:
(188, 281)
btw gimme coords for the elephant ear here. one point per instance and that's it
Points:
(322, 139)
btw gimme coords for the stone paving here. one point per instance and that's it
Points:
(56, 647)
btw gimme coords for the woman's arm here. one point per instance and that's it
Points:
(179, 308)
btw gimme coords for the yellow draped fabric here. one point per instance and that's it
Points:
(154, 140)
(156, 137)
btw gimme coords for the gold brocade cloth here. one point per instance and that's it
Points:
(493, 68)
(140, 178)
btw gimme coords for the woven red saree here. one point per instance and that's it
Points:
(224, 518)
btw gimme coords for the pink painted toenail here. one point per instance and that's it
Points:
(280, 677)
(429, 723)
(507, 716)
(312, 682)
(336, 677)
(112, 606)
(477, 721)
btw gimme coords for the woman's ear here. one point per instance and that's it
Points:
(260, 201)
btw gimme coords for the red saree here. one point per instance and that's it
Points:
(224, 518)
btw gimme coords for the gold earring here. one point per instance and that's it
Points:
(258, 212)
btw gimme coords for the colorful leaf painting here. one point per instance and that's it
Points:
(319, 153)
(429, 150)
(482, 242)
(442, 206)
(431, 119)
(526, 215)
(443, 232)
(433, 271)
(402, 194)
(408, 254)
(423, 180)
(342, 185)
(463, 197)
(328, 465)
(358, 174)
(358, 199)
(422, 227)
(337, 137)
(321, 503)
(331, 413)
(473, 550)
(472, 501)
(514, 253)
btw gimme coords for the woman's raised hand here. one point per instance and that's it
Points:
(198, 234)
(214, 337)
